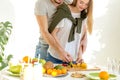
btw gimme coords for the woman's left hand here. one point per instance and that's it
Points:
(79, 58)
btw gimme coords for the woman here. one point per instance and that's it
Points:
(70, 23)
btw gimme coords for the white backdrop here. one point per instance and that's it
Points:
(103, 43)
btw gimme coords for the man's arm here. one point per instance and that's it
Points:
(43, 25)
(64, 56)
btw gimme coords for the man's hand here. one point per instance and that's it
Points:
(65, 57)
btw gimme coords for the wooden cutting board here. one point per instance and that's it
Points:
(79, 69)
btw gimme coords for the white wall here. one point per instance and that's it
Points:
(25, 28)
(106, 35)
(103, 43)
(111, 33)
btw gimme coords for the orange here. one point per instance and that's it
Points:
(54, 69)
(83, 65)
(54, 73)
(104, 75)
(74, 65)
(49, 71)
(78, 64)
(64, 71)
(59, 71)
(26, 58)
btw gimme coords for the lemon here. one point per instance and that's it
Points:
(54, 73)
(43, 70)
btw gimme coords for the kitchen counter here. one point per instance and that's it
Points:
(6, 76)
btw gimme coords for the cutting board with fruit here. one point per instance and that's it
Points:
(55, 70)
(79, 67)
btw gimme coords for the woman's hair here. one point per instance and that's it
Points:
(87, 13)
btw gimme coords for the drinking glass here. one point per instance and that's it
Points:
(113, 65)
(118, 67)
(109, 65)
(26, 72)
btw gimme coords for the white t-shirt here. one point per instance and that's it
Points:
(63, 34)
(44, 7)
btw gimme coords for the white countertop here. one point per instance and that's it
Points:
(6, 76)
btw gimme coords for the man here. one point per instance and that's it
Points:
(44, 9)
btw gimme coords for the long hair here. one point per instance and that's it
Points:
(87, 13)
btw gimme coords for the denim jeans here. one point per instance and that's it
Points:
(54, 60)
(41, 49)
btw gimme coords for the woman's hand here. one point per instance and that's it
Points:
(79, 58)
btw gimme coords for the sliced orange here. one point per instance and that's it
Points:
(26, 59)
